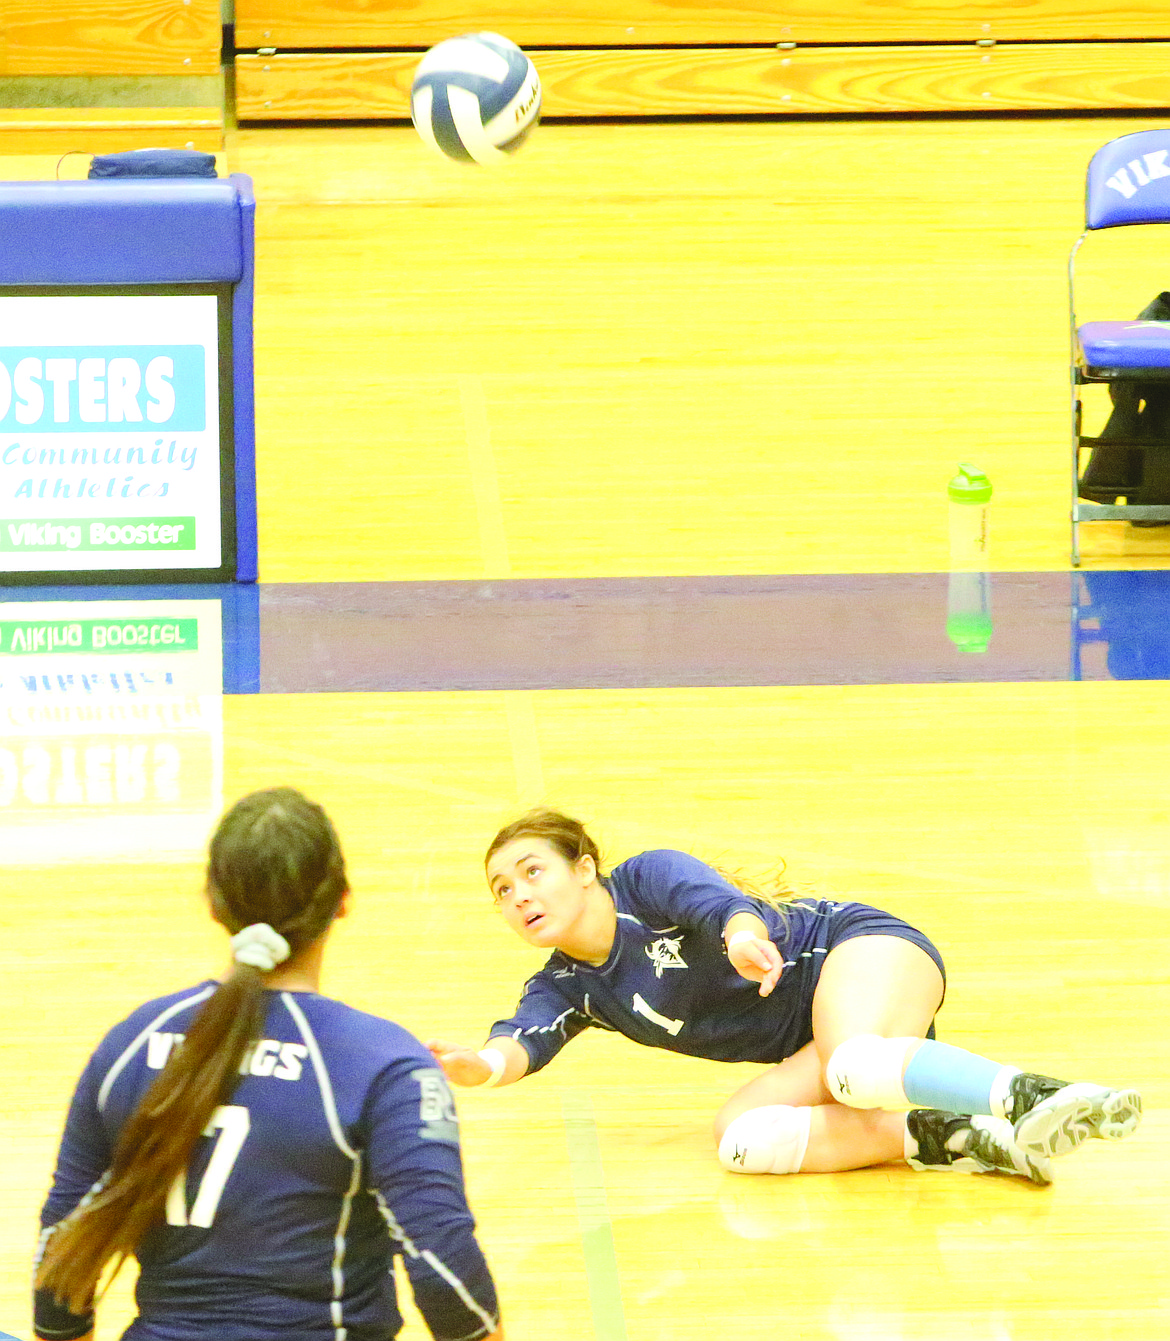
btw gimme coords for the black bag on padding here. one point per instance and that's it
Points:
(153, 163)
(1138, 467)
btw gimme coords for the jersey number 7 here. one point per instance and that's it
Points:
(233, 1124)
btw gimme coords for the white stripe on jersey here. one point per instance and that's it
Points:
(460, 1289)
(805, 954)
(396, 1230)
(597, 1020)
(548, 1028)
(479, 1333)
(116, 1070)
(339, 1329)
(322, 1075)
(49, 1230)
(438, 1267)
(329, 1103)
(658, 931)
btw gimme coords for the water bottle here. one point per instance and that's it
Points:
(969, 588)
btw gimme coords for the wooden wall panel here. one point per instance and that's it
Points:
(591, 23)
(333, 86)
(105, 130)
(840, 79)
(74, 37)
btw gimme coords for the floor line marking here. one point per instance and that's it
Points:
(485, 480)
(521, 714)
(588, 1178)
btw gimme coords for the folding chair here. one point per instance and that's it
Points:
(1128, 183)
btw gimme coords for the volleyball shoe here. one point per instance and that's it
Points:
(1052, 1117)
(938, 1140)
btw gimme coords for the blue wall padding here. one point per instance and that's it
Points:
(121, 231)
(243, 384)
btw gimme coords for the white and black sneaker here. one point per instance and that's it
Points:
(967, 1144)
(1052, 1117)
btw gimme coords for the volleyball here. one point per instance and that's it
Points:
(475, 98)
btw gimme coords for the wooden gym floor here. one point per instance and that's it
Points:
(671, 351)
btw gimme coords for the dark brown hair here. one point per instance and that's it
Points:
(566, 835)
(274, 858)
(569, 837)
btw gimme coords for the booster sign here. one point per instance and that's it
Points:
(102, 389)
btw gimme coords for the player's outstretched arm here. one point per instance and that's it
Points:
(752, 954)
(465, 1066)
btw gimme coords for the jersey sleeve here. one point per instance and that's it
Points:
(674, 889)
(415, 1174)
(82, 1160)
(544, 1021)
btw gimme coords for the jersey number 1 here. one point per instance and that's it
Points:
(672, 1027)
(233, 1124)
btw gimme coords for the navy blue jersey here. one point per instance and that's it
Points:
(338, 1149)
(668, 982)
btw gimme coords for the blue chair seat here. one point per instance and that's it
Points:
(1124, 344)
(1127, 184)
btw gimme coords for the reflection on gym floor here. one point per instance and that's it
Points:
(112, 715)
(661, 632)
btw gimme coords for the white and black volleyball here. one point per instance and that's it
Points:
(475, 98)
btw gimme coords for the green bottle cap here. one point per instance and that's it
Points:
(970, 632)
(970, 485)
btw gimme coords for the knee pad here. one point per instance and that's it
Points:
(766, 1140)
(866, 1072)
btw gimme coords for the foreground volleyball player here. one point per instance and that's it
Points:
(262, 1150)
(840, 996)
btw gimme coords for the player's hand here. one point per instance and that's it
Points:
(461, 1066)
(757, 960)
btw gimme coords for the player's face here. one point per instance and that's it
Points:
(539, 893)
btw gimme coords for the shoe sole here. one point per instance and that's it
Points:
(1074, 1114)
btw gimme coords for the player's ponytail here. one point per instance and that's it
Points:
(274, 858)
(773, 887)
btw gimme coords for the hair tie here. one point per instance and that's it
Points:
(260, 947)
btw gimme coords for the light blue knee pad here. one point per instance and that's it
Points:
(957, 1081)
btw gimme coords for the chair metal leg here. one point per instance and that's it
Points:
(1074, 607)
(1076, 471)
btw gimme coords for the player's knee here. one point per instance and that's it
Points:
(866, 1071)
(729, 1112)
(766, 1140)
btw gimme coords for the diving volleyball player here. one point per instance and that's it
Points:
(839, 997)
(264, 1151)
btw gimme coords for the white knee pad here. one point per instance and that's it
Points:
(866, 1072)
(766, 1140)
